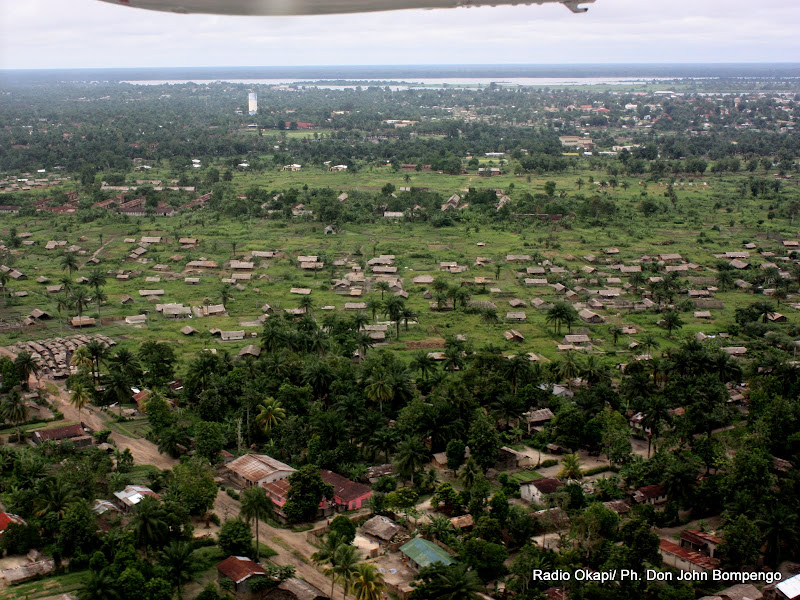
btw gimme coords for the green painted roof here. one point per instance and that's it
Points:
(425, 553)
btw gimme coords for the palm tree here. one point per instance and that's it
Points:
(117, 388)
(80, 398)
(327, 554)
(556, 316)
(384, 440)
(394, 307)
(96, 279)
(650, 341)
(570, 467)
(63, 304)
(99, 298)
(672, 321)
(763, 309)
(780, 526)
(69, 262)
(67, 285)
(98, 351)
(725, 279)
(469, 473)
(306, 303)
(225, 295)
(100, 586)
(271, 413)
(615, 332)
(4, 279)
(368, 583)
(127, 362)
(457, 582)
(383, 287)
(255, 507)
(592, 371)
(657, 413)
(489, 316)
(453, 358)
(56, 497)
(410, 458)
(636, 280)
(26, 366)
(423, 363)
(14, 410)
(407, 315)
(179, 561)
(516, 369)
(347, 559)
(80, 299)
(374, 305)
(150, 529)
(81, 359)
(379, 386)
(568, 368)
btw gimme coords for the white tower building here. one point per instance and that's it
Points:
(252, 103)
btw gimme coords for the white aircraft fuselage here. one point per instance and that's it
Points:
(276, 8)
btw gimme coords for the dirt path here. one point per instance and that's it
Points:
(144, 451)
(100, 249)
(292, 548)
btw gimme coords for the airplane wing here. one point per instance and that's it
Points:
(318, 7)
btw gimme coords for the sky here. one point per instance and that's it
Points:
(51, 34)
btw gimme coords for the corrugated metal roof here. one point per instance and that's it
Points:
(426, 553)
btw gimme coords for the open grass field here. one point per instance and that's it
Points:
(711, 216)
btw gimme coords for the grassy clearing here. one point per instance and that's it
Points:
(46, 588)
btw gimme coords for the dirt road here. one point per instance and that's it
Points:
(144, 452)
(292, 548)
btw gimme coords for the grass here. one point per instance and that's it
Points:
(525, 476)
(46, 588)
(138, 427)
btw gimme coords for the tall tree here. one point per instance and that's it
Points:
(255, 507)
(270, 414)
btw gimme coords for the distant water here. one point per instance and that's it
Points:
(455, 82)
(535, 75)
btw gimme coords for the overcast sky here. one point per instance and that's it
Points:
(89, 33)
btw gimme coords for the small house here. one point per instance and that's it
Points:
(240, 569)
(537, 491)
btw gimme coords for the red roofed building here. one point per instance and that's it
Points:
(700, 541)
(75, 433)
(7, 519)
(142, 396)
(347, 494)
(650, 494)
(683, 559)
(300, 125)
(240, 569)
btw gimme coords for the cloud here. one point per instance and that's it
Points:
(88, 33)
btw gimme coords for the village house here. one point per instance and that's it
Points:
(536, 492)
(700, 541)
(677, 557)
(81, 437)
(132, 495)
(240, 569)
(536, 419)
(257, 469)
(381, 528)
(421, 553)
(7, 519)
(296, 589)
(650, 494)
